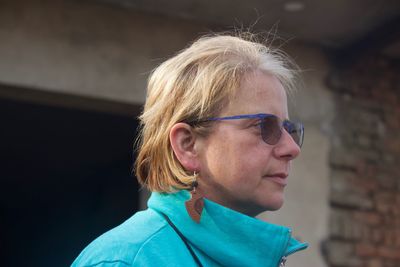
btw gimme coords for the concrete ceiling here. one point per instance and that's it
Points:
(331, 23)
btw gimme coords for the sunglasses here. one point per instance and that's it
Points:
(271, 127)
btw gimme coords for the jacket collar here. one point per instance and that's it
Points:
(228, 237)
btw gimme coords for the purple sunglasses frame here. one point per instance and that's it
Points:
(291, 127)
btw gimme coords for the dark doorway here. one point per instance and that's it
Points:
(65, 178)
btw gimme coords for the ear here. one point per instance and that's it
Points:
(183, 141)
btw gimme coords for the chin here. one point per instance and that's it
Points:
(274, 204)
(256, 207)
(274, 208)
(256, 210)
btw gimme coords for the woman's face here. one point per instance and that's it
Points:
(237, 168)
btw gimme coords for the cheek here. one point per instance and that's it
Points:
(256, 163)
(237, 160)
(223, 160)
(243, 166)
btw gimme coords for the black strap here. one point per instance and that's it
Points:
(184, 240)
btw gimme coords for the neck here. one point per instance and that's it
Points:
(218, 194)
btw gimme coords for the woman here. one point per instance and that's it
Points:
(215, 150)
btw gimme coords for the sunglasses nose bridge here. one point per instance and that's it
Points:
(288, 126)
(292, 129)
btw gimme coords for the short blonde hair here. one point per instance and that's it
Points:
(191, 86)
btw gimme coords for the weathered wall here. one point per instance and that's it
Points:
(84, 48)
(365, 179)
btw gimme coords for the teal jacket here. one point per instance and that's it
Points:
(222, 238)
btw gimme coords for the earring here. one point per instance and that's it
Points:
(195, 205)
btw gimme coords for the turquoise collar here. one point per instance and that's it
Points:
(228, 237)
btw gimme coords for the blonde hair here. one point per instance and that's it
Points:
(193, 85)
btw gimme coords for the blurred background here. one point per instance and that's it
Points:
(72, 83)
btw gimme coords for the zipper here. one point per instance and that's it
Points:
(283, 261)
(301, 246)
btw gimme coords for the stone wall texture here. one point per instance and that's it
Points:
(364, 162)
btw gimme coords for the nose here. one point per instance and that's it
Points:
(286, 148)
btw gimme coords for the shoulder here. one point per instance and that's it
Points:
(128, 244)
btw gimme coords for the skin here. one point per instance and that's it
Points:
(236, 168)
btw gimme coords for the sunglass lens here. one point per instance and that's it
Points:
(270, 130)
(296, 131)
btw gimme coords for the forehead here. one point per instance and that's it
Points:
(259, 93)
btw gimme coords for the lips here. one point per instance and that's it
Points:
(279, 178)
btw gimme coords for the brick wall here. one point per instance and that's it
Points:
(364, 162)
